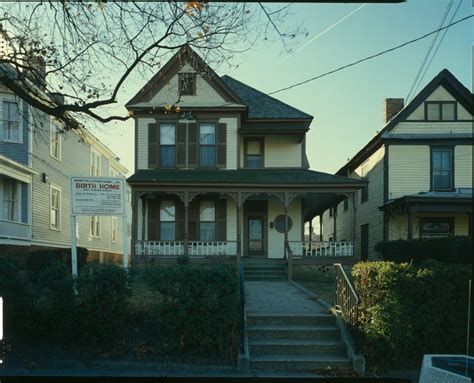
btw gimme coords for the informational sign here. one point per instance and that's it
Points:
(98, 196)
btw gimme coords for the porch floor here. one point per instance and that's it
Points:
(278, 297)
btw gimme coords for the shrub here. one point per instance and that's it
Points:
(199, 312)
(42, 259)
(449, 250)
(102, 305)
(407, 311)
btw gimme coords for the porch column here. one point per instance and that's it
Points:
(239, 235)
(186, 223)
(144, 207)
(410, 223)
(311, 230)
(334, 234)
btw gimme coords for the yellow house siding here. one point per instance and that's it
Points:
(432, 127)
(276, 239)
(142, 142)
(408, 170)
(232, 137)
(282, 151)
(463, 166)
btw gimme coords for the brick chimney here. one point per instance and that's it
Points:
(391, 106)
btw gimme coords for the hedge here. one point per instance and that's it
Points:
(450, 250)
(199, 312)
(41, 259)
(407, 311)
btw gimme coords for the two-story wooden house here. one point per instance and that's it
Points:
(418, 168)
(220, 168)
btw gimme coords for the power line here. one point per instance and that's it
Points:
(370, 57)
(428, 52)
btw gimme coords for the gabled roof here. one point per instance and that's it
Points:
(444, 78)
(186, 53)
(262, 106)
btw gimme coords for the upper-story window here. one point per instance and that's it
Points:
(442, 169)
(55, 208)
(10, 200)
(95, 163)
(187, 84)
(167, 221)
(440, 110)
(11, 122)
(254, 153)
(207, 145)
(54, 141)
(113, 173)
(167, 145)
(207, 221)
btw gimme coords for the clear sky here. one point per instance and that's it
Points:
(347, 106)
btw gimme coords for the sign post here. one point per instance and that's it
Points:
(97, 196)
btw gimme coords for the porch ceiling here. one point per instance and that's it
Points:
(316, 203)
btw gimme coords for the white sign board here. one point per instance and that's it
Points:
(97, 196)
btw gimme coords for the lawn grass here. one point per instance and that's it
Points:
(320, 280)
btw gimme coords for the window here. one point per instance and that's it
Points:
(113, 229)
(55, 209)
(167, 221)
(279, 223)
(95, 226)
(167, 145)
(54, 141)
(187, 84)
(207, 221)
(442, 169)
(11, 122)
(440, 111)
(207, 145)
(95, 163)
(254, 153)
(436, 227)
(10, 200)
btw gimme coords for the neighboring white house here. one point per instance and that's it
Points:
(220, 167)
(419, 172)
(37, 159)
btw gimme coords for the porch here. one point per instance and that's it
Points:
(244, 220)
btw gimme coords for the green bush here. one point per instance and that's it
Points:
(449, 250)
(102, 305)
(42, 259)
(199, 311)
(407, 311)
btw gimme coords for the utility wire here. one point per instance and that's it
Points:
(428, 52)
(370, 57)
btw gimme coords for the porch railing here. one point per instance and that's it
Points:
(14, 230)
(321, 249)
(195, 248)
(346, 299)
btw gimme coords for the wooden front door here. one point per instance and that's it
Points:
(255, 235)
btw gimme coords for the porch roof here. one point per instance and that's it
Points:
(217, 177)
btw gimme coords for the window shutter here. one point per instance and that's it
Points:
(153, 146)
(221, 220)
(181, 146)
(153, 221)
(192, 145)
(221, 145)
(193, 213)
(179, 220)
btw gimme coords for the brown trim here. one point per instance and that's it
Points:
(440, 106)
(262, 149)
(431, 141)
(431, 121)
(136, 143)
(239, 122)
(451, 148)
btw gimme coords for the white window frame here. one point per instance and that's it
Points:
(95, 163)
(58, 189)
(54, 130)
(113, 229)
(94, 226)
(17, 200)
(20, 130)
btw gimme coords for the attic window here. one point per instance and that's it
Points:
(440, 111)
(187, 84)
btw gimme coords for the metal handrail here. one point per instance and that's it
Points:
(346, 299)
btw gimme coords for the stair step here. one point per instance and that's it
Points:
(298, 362)
(292, 332)
(248, 269)
(266, 278)
(296, 347)
(265, 274)
(291, 319)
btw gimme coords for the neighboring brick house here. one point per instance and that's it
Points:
(419, 169)
(220, 167)
(37, 159)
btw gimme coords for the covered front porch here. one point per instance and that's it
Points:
(239, 220)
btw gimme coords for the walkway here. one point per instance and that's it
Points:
(279, 297)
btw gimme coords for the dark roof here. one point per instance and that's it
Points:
(444, 78)
(242, 176)
(262, 106)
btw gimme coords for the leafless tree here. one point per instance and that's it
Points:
(71, 59)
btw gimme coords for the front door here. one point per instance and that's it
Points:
(255, 233)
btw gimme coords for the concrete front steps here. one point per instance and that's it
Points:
(265, 270)
(295, 342)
